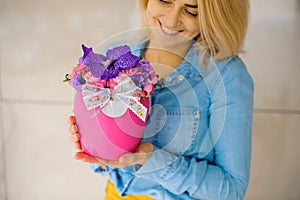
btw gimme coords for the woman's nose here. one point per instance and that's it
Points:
(172, 19)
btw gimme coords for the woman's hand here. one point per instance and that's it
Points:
(140, 156)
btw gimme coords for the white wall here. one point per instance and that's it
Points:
(39, 41)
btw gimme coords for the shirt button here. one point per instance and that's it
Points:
(168, 79)
(180, 77)
(197, 115)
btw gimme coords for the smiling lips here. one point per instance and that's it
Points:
(167, 31)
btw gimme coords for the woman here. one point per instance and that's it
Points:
(198, 141)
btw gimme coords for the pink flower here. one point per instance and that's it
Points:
(134, 71)
(79, 69)
(137, 94)
(113, 82)
(148, 90)
(90, 79)
(153, 78)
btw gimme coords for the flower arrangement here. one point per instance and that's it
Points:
(104, 75)
(112, 100)
(107, 71)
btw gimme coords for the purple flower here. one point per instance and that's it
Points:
(86, 52)
(96, 62)
(141, 74)
(117, 59)
(127, 61)
(111, 72)
(77, 82)
(123, 57)
(115, 53)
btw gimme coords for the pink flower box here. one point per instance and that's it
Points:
(107, 137)
(111, 103)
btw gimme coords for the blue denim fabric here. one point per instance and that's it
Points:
(201, 127)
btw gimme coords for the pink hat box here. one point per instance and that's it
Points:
(104, 136)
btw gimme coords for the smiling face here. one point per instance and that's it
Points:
(173, 19)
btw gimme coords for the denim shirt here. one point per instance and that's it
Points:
(200, 125)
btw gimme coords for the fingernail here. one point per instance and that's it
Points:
(74, 128)
(75, 136)
(71, 120)
(77, 145)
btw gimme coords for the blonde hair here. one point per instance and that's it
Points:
(223, 25)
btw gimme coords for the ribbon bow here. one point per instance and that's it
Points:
(94, 96)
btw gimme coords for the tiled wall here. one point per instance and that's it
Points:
(38, 43)
(273, 59)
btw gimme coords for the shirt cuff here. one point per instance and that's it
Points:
(97, 168)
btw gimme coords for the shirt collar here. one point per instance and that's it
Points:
(189, 67)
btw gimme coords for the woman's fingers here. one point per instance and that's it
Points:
(145, 147)
(75, 137)
(128, 158)
(140, 156)
(85, 158)
(90, 159)
(71, 120)
(114, 163)
(78, 145)
(73, 128)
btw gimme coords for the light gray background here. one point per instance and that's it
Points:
(40, 41)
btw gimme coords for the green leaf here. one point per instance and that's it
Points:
(67, 78)
(161, 82)
(82, 80)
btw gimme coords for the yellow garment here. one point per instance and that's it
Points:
(112, 194)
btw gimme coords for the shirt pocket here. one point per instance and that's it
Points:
(176, 130)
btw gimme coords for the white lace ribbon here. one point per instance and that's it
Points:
(94, 96)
